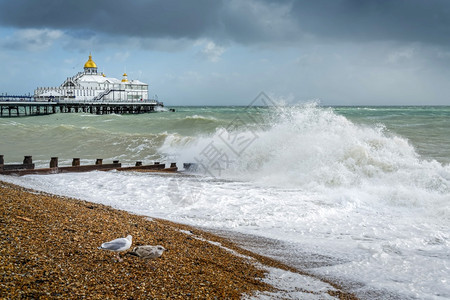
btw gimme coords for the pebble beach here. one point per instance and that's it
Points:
(49, 250)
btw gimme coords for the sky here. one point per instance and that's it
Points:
(225, 52)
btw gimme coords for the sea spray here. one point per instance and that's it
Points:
(311, 147)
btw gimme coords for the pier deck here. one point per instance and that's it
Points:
(33, 108)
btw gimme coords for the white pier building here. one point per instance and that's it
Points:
(90, 85)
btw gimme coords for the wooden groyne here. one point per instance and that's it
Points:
(28, 168)
(14, 108)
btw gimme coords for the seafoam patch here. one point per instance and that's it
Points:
(287, 285)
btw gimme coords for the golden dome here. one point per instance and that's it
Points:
(90, 63)
(125, 79)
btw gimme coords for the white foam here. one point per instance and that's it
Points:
(291, 285)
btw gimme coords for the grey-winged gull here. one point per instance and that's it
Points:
(117, 245)
(147, 251)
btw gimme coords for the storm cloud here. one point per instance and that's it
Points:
(244, 22)
(169, 18)
(218, 52)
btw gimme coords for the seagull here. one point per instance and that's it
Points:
(147, 252)
(117, 245)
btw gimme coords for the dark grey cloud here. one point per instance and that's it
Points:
(168, 18)
(395, 20)
(242, 21)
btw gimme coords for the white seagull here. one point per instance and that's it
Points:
(118, 245)
(147, 252)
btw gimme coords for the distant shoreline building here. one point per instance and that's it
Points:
(90, 85)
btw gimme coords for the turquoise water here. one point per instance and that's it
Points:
(426, 127)
(138, 137)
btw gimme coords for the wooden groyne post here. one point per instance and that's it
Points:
(54, 162)
(27, 167)
(75, 162)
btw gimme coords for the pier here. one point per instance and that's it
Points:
(11, 107)
(28, 167)
(88, 91)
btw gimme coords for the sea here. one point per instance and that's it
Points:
(357, 195)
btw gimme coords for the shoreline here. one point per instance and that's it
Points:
(49, 249)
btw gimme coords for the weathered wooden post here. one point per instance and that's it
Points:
(138, 163)
(28, 162)
(99, 161)
(54, 162)
(75, 162)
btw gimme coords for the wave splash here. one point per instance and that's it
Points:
(313, 148)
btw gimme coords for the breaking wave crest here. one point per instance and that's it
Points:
(314, 148)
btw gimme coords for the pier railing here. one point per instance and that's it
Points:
(16, 98)
(150, 101)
